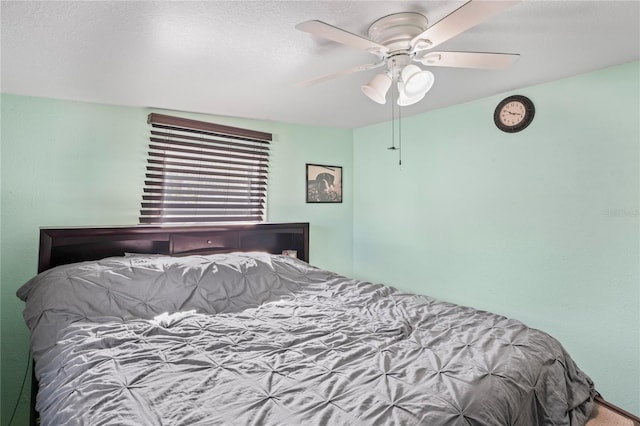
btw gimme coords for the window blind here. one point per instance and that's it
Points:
(204, 172)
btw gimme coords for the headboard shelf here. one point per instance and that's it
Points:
(60, 246)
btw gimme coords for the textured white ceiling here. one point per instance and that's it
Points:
(243, 58)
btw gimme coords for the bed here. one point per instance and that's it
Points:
(214, 325)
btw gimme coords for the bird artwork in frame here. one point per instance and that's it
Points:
(324, 184)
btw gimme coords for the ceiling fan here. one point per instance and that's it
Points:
(400, 39)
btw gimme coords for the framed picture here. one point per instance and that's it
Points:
(324, 184)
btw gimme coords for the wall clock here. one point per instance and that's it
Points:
(514, 113)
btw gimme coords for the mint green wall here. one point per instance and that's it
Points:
(541, 225)
(71, 163)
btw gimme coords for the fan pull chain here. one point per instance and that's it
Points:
(394, 83)
(400, 136)
(393, 130)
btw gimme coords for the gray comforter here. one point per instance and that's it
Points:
(261, 339)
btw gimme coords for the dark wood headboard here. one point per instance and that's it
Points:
(59, 246)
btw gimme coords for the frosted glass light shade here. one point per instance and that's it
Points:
(404, 100)
(377, 88)
(417, 82)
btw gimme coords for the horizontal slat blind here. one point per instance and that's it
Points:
(204, 172)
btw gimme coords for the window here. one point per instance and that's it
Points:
(204, 172)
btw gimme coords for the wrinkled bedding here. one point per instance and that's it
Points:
(269, 340)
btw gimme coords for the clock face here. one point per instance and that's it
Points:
(514, 113)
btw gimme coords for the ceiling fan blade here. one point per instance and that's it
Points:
(324, 30)
(489, 61)
(467, 16)
(352, 70)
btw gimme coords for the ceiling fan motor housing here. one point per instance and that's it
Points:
(397, 30)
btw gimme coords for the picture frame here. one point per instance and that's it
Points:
(324, 183)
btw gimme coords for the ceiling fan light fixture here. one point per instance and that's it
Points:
(377, 88)
(404, 100)
(416, 81)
